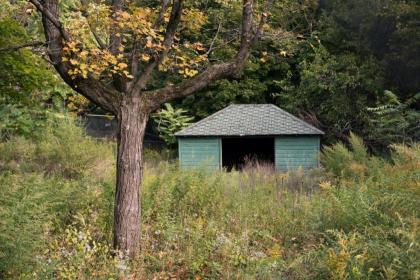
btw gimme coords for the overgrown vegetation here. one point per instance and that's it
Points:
(357, 219)
(347, 66)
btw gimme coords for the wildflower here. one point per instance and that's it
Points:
(221, 239)
(326, 186)
(260, 255)
(81, 236)
(88, 248)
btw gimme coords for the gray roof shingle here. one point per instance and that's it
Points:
(250, 120)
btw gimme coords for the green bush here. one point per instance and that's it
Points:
(33, 207)
(59, 148)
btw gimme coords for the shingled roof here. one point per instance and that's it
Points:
(250, 120)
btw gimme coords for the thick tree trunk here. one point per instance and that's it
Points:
(131, 125)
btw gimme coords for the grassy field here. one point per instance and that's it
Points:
(358, 218)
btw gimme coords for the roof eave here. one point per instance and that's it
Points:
(248, 135)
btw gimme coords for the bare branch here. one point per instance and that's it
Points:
(27, 45)
(211, 47)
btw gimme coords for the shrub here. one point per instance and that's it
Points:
(58, 149)
(32, 207)
(80, 252)
(350, 163)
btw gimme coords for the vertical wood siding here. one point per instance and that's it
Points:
(199, 152)
(291, 152)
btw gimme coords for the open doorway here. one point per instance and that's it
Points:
(236, 152)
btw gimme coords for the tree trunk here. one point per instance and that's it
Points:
(132, 119)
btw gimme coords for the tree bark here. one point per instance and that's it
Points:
(132, 119)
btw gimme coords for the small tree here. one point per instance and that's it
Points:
(170, 121)
(394, 122)
(111, 51)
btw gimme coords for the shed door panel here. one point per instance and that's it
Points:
(199, 152)
(293, 152)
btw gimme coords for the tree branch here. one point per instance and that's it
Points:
(167, 44)
(97, 92)
(27, 45)
(165, 4)
(217, 71)
(134, 62)
(54, 20)
(211, 47)
(114, 40)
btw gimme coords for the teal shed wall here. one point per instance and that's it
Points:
(199, 152)
(291, 152)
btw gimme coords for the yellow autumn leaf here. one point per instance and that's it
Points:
(74, 61)
(130, 76)
(145, 57)
(122, 65)
(275, 251)
(149, 44)
(190, 72)
(83, 54)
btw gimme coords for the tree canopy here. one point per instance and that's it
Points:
(341, 58)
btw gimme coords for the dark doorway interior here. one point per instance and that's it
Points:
(237, 151)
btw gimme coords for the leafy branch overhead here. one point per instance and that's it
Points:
(119, 48)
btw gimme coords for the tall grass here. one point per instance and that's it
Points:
(358, 219)
(44, 182)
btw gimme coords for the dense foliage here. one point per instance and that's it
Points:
(345, 59)
(358, 219)
(340, 60)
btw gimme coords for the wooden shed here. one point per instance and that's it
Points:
(261, 132)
